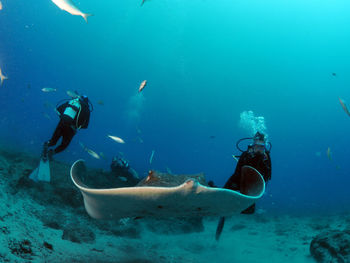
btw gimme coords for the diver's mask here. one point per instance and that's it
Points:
(259, 147)
(258, 144)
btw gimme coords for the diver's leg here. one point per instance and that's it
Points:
(67, 136)
(56, 135)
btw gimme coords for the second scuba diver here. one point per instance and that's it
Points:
(121, 169)
(74, 115)
(257, 156)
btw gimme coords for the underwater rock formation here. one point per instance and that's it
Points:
(331, 246)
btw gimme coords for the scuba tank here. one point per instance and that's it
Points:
(72, 109)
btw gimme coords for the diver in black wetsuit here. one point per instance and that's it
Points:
(256, 156)
(74, 115)
(121, 169)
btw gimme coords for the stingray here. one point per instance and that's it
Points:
(189, 199)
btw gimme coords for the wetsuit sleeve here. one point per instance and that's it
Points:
(87, 119)
(234, 181)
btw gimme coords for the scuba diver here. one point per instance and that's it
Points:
(74, 115)
(122, 170)
(257, 156)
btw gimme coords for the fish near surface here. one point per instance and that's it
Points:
(69, 6)
(142, 85)
(345, 108)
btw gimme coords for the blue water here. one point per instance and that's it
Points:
(205, 62)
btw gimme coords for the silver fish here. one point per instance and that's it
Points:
(46, 89)
(116, 139)
(89, 151)
(2, 77)
(92, 153)
(72, 94)
(68, 5)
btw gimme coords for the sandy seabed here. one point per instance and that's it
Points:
(35, 230)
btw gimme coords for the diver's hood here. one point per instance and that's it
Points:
(268, 150)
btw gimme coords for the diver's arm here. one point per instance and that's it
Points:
(60, 109)
(85, 118)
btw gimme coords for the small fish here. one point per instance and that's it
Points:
(329, 154)
(345, 108)
(116, 139)
(101, 102)
(334, 74)
(72, 94)
(142, 85)
(48, 89)
(212, 137)
(2, 77)
(89, 151)
(92, 153)
(151, 158)
(0, 5)
(68, 5)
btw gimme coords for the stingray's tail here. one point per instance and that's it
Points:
(219, 228)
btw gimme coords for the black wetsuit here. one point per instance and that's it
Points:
(261, 162)
(67, 127)
(120, 168)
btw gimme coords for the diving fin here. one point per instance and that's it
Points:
(219, 228)
(42, 173)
